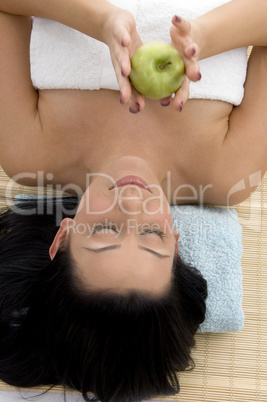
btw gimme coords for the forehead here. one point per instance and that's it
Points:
(124, 269)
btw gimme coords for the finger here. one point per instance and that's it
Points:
(193, 71)
(165, 101)
(126, 39)
(136, 102)
(126, 91)
(121, 59)
(122, 36)
(122, 68)
(183, 25)
(192, 50)
(125, 66)
(124, 83)
(191, 62)
(182, 95)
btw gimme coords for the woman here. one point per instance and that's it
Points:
(114, 310)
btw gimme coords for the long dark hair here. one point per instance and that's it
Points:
(121, 348)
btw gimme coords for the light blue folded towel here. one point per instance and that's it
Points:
(211, 240)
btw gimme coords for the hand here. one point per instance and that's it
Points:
(122, 38)
(182, 35)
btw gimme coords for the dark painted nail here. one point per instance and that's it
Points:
(199, 76)
(121, 100)
(135, 110)
(122, 73)
(193, 52)
(165, 104)
(181, 106)
(177, 19)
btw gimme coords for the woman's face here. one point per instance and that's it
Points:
(122, 236)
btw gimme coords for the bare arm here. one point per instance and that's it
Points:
(98, 19)
(244, 151)
(84, 15)
(21, 128)
(235, 24)
(19, 120)
(20, 123)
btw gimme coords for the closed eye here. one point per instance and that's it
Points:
(100, 228)
(157, 232)
(116, 246)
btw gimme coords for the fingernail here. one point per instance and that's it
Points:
(122, 44)
(135, 110)
(122, 73)
(121, 100)
(177, 19)
(193, 52)
(165, 104)
(199, 76)
(181, 106)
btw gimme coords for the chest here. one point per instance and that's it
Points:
(81, 127)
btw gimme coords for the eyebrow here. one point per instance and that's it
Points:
(116, 246)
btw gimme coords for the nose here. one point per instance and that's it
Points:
(130, 200)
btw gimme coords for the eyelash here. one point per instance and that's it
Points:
(99, 227)
(157, 232)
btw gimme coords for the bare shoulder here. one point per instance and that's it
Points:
(243, 160)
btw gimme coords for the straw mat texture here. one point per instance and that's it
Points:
(229, 367)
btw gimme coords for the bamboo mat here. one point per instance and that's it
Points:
(229, 367)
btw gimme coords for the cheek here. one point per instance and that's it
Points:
(100, 206)
(157, 204)
(96, 204)
(166, 222)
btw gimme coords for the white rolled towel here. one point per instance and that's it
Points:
(63, 58)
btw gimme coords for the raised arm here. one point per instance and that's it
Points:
(234, 24)
(98, 19)
(244, 151)
(21, 130)
(87, 16)
(19, 118)
(20, 122)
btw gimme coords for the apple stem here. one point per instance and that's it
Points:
(162, 66)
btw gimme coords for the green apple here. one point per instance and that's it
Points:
(157, 70)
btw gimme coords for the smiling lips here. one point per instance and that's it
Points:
(131, 180)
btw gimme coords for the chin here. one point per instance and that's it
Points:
(131, 165)
(132, 162)
(131, 159)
